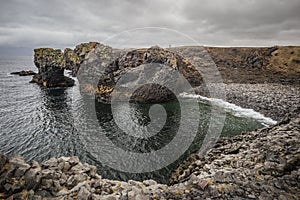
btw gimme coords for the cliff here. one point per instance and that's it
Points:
(278, 64)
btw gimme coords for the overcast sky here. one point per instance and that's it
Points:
(27, 24)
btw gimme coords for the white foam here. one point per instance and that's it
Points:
(233, 109)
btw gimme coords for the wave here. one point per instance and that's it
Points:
(232, 108)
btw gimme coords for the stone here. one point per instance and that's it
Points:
(110, 197)
(74, 58)
(74, 160)
(84, 194)
(49, 173)
(155, 63)
(50, 68)
(203, 184)
(62, 192)
(72, 181)
(46, 184)
(56, 186)
(150, 182)
(142, 197)
(66, 167)
(33, 178)
(94, 66)
(21, 195)
(83, 168)
(7, 186)
(131, 195)
(63, 179)
(52, 162)
(79, 185)
(20, 166)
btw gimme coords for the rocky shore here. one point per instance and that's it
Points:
(263, 164)
(272, 100)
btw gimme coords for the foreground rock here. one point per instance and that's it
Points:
(24, 73)
(133, 63)
(263, 164)
(50, 68)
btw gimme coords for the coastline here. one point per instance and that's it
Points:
(260, 164)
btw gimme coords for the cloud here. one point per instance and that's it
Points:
(29, 24)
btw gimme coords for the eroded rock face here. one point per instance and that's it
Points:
(50, 68)
(133, 61)
(93, 67)
(72, 59)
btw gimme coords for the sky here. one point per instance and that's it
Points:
(29, 24)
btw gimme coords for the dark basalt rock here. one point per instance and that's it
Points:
(132, 61)
(94, 66)
(72, 59)
(24, 73)
(50, 68)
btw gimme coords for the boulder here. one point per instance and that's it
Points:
(50, 68)
(134, 62)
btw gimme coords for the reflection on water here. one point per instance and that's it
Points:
(141, 116)
(140, 112)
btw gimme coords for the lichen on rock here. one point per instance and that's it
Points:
(72, 59)
(50, 68)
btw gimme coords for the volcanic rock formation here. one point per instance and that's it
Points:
(73, 58)
(134, 62)
(50, 68)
